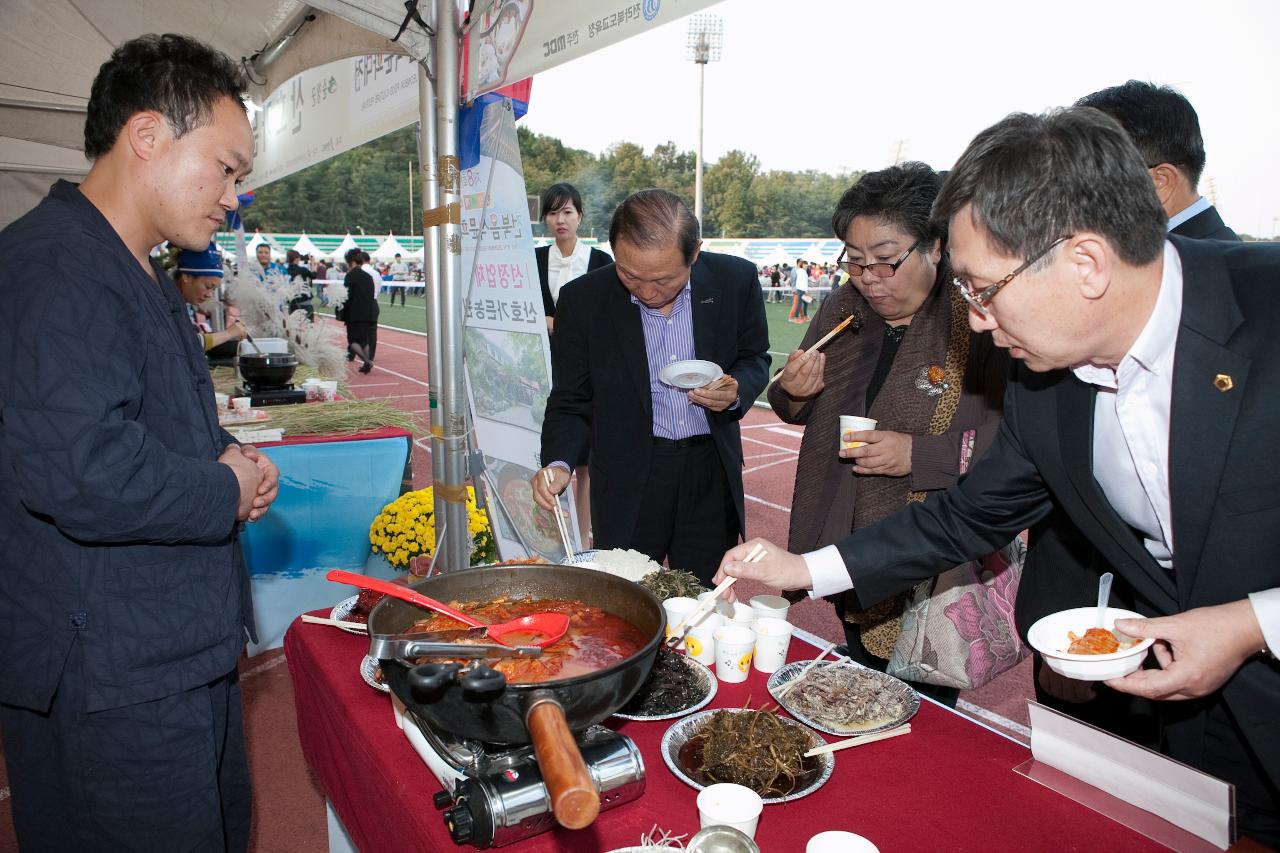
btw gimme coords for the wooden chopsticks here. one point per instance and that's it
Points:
(850, 743)
(337, 623)
(677, 635)
(840, 327)
(560, 522)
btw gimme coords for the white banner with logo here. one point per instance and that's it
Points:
(508, 361)
(514, 39)
(330, 109)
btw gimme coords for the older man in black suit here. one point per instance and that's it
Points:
(666, 463)
(1146, 406)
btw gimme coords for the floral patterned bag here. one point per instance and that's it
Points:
(957, 628)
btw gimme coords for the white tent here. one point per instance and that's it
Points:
(252, 246)
(389, 249)
(345, 246)
(304, 246)
(42, 102)
(825, 252)
(777, 256)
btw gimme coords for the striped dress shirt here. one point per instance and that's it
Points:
(669, 338)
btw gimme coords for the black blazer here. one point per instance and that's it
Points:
(362, 298)
(1224, 474)
(600, 381)
(1206, 225)
(1062, 567)
(541, 254)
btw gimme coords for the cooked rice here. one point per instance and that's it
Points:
(623, 562)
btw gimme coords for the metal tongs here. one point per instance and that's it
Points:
(444, 644)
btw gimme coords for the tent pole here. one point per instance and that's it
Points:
(449, 445)
(431, 266)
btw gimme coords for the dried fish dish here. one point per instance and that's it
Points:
(843, 699)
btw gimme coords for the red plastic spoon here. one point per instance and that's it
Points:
(538, 629)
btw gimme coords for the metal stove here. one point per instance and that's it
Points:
(493, 794)
(271, 396)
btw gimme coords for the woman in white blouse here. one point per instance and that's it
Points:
(558, 264)
(568, 257)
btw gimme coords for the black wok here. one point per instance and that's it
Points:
(267, 369)
(545, 713)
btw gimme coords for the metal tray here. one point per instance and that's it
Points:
(897, 687)
(680, 733)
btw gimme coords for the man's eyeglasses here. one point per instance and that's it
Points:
(979, 301)
(881, 270)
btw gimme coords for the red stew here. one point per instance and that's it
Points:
(595, 639)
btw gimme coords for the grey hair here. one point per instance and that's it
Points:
(656, 218)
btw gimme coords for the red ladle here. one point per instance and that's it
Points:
(550, 626)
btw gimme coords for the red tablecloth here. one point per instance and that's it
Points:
(949, 785)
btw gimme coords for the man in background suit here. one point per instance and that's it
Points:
(666, 464)
(1146, 406)
(1062, 569)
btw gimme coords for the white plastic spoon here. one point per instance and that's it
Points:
(1104, 597)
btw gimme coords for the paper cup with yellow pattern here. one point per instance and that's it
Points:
(734, 647)
(700, 643)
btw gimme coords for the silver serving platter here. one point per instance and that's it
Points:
(706, 679)
(895, 686)
(367, 672)
(680, 733)
(342, 610)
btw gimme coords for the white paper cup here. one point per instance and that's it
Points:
(329, 390)
(312, 389)
(241, 405)
(221, 402)
(700, 643)
(836, 841)
(726, 804)
(742, 614)
(677, 609)
(735, 646)
(770, 606)
(773, 638)
(854, 422)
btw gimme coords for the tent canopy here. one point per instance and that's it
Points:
(42, 102)
(304, 246)
(345, 246)
(389, 249)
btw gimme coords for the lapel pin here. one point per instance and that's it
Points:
(708, 300)
(1223, 382)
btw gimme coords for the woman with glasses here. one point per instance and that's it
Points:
(911, 363)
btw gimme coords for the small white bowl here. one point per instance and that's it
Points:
(1049, 637)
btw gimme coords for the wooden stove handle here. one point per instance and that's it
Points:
(575, 801)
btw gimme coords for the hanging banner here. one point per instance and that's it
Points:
(511, 39)
(507, 357)
(330, 109)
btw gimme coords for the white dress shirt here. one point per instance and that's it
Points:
(562, 269)
(1199, 206)
(1131, 419)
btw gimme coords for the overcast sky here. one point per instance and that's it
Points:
(842, 84)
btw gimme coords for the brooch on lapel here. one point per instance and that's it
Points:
(932, 380)
(1223, 382)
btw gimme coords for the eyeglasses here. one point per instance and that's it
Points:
(979, 301)
(881, 270)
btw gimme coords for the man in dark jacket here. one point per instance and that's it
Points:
(666, 463)
(124, 598)
(1062, 569)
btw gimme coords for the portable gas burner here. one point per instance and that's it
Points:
(494, 795)
(271, 396)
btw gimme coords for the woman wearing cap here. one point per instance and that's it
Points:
(360, 312)
(198, 275)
